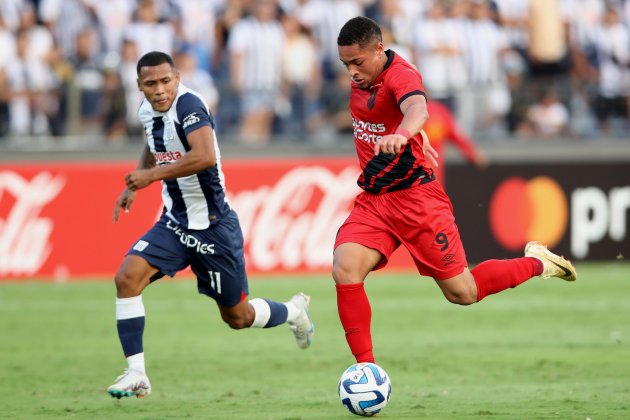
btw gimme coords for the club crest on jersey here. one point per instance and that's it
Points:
(190, 119)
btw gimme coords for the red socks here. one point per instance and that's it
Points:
(355, 314)
(493, 276)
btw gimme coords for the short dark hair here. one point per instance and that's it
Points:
(153, 58)
(359, 30)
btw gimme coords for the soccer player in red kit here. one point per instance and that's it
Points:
(442, 128)
(400, 202)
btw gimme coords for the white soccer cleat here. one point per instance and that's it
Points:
(130, 383)
(302, 327)
(553, 265)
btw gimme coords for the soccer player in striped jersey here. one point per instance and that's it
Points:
(401, 202)
(198, 228)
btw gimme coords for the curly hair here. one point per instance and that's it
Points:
(359, 30)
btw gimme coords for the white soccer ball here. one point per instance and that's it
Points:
(364, 389)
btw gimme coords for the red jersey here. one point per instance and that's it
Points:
(442, 128)
(375, 113)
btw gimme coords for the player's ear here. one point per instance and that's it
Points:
(379, 48)
(138, 83)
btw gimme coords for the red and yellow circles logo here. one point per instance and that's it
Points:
(523, 211)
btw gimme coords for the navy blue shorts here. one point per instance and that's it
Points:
(215, 255)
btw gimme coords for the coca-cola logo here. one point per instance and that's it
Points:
(24, 234)
(293, 223)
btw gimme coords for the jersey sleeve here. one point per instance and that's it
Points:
(193, 113)
(405, 83)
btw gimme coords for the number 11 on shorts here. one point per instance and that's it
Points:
(215, 281)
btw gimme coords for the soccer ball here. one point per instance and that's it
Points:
(364, 389)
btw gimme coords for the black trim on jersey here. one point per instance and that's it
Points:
(395, 178)
(182, 136)
(412, 93)
(390, 58)
(179, 206)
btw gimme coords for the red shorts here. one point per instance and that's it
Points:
(420, 218)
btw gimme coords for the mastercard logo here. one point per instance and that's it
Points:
(523, 211)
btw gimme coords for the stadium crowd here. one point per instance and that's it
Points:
(269, 68)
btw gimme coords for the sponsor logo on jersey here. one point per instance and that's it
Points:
(191, 119)
(367, 131)
(190, 241)
(167, 157)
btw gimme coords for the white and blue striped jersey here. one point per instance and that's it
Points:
(195, 201)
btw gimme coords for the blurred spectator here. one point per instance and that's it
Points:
(65, 19)
(324, 18)
(441, 128)
(196, 78)
(11, 11)
(513, 17)
(547, 47)
(148, 32)
(31, 97)
(113, 105)
(612, 43)
(302, 80)
(87, 83)
(486, 98)
(402, 17)
(337, 105)
(197, 28)
(40, 39)
(440, 55)
(7, 40)
(255, 45)
(4, 104)
(486, 59)
(129, 57)
(113, 16)
(548, 117)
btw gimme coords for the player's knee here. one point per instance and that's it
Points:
(237, 321)
(460, 298)
(342, 276)
(127, 285)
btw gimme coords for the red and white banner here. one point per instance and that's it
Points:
(56, 218)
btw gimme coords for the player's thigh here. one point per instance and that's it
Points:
(164, 247)
(219, 262)
(352, 262)
(364, 242)
(427, 228)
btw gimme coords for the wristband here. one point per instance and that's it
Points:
(403, 132)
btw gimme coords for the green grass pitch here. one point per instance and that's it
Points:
(546, 350)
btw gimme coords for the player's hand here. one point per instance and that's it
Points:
(138, 179)
(390, 144)
(429, 152)
(124, 201)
